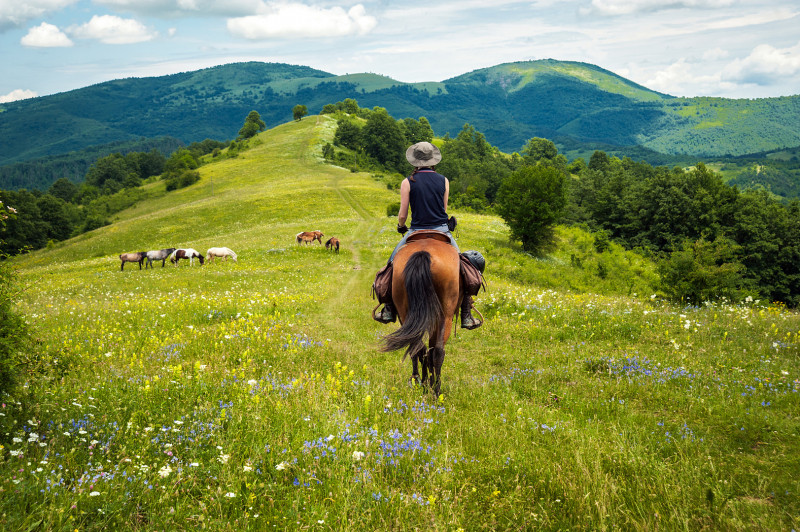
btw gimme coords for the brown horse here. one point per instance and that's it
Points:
(427, 294)
(309, 236)
(332, 244)
(137, 256)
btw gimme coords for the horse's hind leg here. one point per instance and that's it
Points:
(414, 369)
(416, 352)
(436, 359)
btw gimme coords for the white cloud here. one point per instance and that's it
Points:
(17, 12)
(110, 29)
(45, 36)
(17, 94)
(714, 54)
(683, 78)
(299, 20)
(177, 8)
(764, 65)
(628, 7)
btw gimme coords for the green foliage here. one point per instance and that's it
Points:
(14, 335)
(328, 151)
(299, 111)
(64, 189)
(602, 243)
(252, 125)
(384, 141)
(531, 200)
(475, 169)
(393, 209)
(348, 133)
(182, 179)
(43, 172)
(703, 271)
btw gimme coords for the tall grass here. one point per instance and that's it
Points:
(253, 395)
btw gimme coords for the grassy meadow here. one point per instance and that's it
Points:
(253, 395)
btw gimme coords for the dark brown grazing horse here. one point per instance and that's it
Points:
(309, 236)
(137, 256)
(427, 294)
(332, 244)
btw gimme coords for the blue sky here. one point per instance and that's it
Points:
(731, 48)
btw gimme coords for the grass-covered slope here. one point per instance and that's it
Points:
(253, 396)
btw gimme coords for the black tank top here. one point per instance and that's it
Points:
(426, 199)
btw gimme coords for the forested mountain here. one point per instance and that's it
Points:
(580, 106)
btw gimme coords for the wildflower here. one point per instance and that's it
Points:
(358, 455)
(230, 495)
(94, 494)
(223, 458)
(165, 471)
(247, 468)
(282, 466)
(32, 437)
(252, 382)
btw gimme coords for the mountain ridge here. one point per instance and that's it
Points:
(509, 103)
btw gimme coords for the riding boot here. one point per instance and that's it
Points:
(467, 321)
(387, 314)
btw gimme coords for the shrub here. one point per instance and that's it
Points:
(184, 179)
(531, 200)
(703, 271)
(393, 209)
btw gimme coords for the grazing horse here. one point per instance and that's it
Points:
(309, 236)
(220, 252)
(187, 253)
(427, 294)
(159, 254)
(137, 256)
(332, 244)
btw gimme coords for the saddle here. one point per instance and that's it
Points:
(422, 234)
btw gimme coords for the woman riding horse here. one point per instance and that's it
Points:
(426, 193)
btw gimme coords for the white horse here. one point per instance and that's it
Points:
(187, 253)
(220, 252)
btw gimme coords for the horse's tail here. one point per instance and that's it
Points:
(425, 311)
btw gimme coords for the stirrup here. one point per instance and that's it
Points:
(381, 316)
(475, 323)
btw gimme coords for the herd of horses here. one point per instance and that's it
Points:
(306, 237)
(174, 255)
(426, 290)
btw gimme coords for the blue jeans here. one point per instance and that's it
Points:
(442, 228)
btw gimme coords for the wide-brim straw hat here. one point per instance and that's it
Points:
(423, 154)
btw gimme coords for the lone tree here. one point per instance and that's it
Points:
(531, 200)
(252, 125)
(299, 111)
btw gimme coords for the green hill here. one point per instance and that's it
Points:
(253, 394)
(576, 104)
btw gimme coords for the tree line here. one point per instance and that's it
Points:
(709, 239)
(112, 183)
